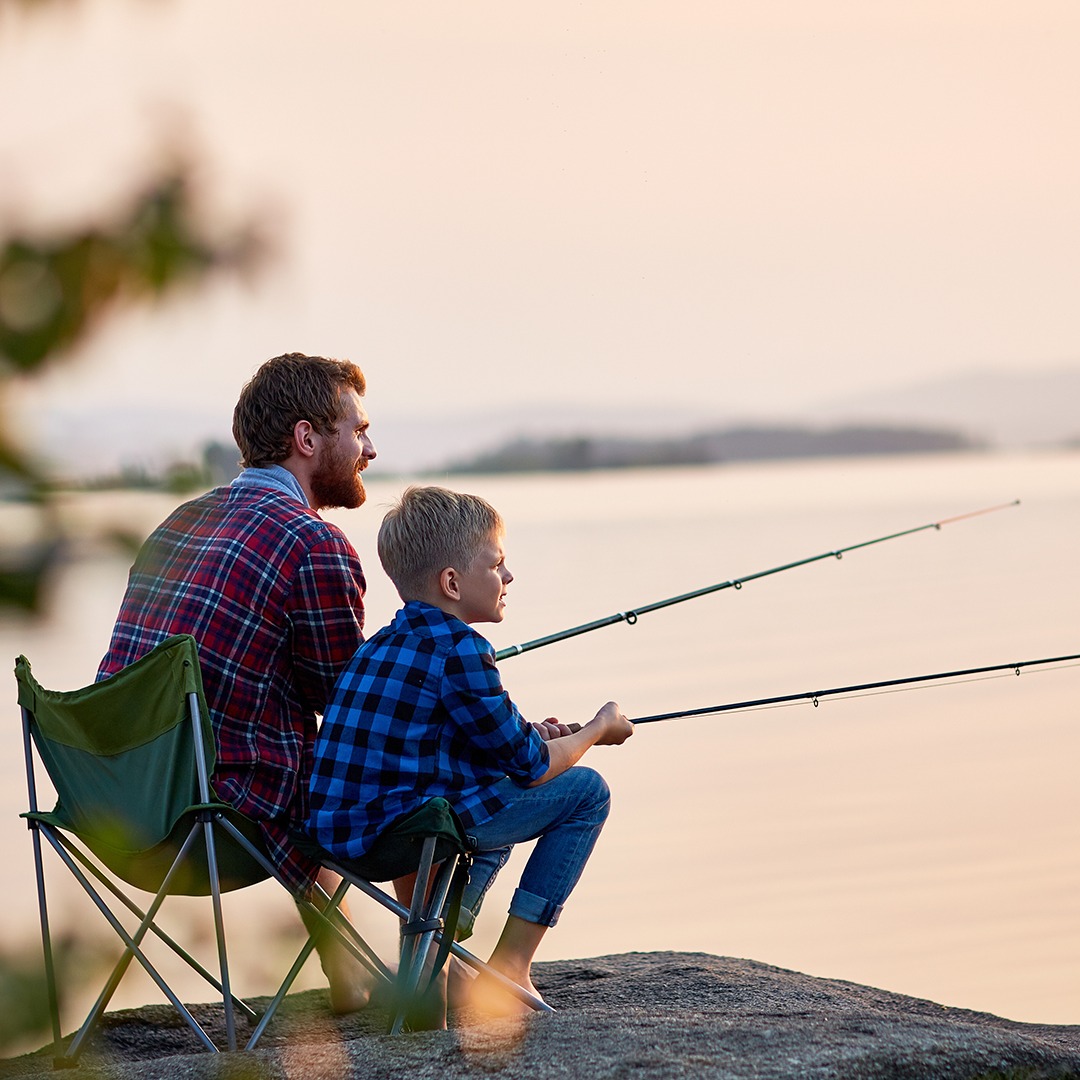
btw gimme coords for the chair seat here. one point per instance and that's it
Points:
(146, 868)
(396, 851)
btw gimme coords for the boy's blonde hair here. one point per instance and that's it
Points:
(429, 529)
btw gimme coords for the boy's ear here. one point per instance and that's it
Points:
(449, 583)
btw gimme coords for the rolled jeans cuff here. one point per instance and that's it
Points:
(534, 909)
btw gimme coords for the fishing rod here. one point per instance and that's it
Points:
(630, 617)
(815, 695)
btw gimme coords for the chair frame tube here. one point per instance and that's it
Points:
(39, 873)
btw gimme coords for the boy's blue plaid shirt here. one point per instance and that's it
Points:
(420, 711)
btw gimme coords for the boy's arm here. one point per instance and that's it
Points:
(607, 728)
(484, 717)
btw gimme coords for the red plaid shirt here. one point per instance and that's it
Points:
(273, 595)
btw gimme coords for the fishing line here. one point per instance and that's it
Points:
(941, 678)
(630, 617)
(905, 689)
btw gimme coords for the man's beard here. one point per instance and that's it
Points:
(336, 483)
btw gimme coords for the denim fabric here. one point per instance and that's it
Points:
(565, 817)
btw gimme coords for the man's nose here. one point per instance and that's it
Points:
(368, 449)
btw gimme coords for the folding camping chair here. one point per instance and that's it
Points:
(130, 759)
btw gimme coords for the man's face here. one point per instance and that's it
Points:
(342, 457)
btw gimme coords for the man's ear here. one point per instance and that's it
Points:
(303, 438)
(450, 583)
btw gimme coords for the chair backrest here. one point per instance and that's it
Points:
(121, 755)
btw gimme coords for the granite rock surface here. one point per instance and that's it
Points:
(663, 1015)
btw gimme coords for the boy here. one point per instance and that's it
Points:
(420, 712)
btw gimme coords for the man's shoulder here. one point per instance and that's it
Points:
(264, 514)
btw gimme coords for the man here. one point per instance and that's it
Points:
(273, 595)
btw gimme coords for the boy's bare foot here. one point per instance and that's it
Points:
(487, 997)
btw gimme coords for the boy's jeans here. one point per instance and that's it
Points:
(567, 814)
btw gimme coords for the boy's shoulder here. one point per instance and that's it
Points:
(426, 628)
(418, 621)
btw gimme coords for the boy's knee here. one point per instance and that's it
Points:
(594, 791)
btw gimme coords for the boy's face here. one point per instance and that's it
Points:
(483, 584)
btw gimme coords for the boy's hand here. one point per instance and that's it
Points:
(551, 729)
(616, 729)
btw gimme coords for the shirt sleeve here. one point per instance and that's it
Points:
(326, 612)
(485, 716)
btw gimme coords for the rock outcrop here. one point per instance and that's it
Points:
(638, 1015)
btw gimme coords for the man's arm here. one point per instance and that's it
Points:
(326, 612)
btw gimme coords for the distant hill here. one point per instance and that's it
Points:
(731, 444)
(1008, 409)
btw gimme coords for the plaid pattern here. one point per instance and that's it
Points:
(273, 595)
(419, 712)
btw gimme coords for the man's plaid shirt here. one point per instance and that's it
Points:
(273, 595)
(419, 712)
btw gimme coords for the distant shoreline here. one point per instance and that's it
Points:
(577, 453)
(732, 444)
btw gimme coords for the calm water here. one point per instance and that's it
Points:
(923, 842)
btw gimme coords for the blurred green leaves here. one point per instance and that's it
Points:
(54, 291)
(24, 1002)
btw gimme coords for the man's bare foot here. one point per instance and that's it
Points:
(351, 984)
(349, 996)
(427, 1010)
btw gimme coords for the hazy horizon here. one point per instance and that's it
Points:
(1000, 409)
(740, 210)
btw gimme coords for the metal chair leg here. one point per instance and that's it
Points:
(426, 918)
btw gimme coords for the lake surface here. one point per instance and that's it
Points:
(925, 842)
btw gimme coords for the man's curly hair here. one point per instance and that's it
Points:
(284, 391)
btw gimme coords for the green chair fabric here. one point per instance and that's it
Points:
(120, 754)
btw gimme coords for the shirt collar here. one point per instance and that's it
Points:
(272, 476)
(420, 613)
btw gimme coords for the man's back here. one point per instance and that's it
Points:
(273, 595)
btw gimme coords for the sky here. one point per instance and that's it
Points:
(526, 215)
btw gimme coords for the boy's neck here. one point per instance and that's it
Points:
(444, 604)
